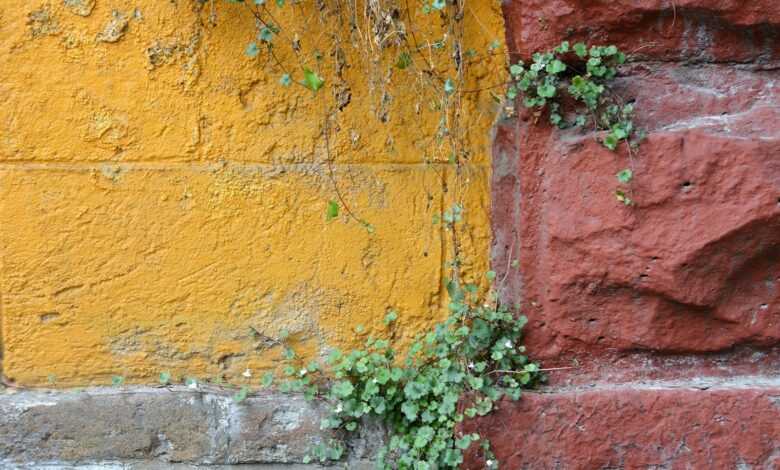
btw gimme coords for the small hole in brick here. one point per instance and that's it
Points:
(642, 276)
(600, 339)
(686, 185)
(591, 320)
(425, 253)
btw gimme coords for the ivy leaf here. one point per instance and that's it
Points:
(438, 4)
(268, 379)
(343, 389)
(333, 211)
(391, 316)
(625, 176)
(581, 50)
(416, 390)
(555, 67)
(165, 378)
(546, 91)
(251, 50)
(622, 197)
(449, 86)
(311, 80)
(280, 3)
(516, 69)
(610, 141)
(409, 409)
(404, 60)
(423, 437)
(241, 394)
(266, 34)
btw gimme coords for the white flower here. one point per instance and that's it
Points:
(373, 380)
(508, 344)
(192, 384)
(339, 408)
(471, 365)
(303, 372)
(489, 463)
(247, 373)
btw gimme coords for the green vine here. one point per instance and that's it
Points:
(580, 75)
(458, 370)
(464, 365)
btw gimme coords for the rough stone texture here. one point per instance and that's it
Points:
(647, 426)
(689, 30)
(695, 265)
(666, 315)
(153, 427)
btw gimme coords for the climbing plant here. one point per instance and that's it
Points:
(571, 84)
(465, 364)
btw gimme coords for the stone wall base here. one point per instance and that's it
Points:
(701, 423)
(174, 428)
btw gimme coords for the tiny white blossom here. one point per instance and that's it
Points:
(303, 372)
(338, 408)
(374, 380)
(247, 373)
(508, 344)
(471, 365)
(192, 384)
(489, 463)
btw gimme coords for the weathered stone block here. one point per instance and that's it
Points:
(696, 424)
(693, 265)
(157, 427)
(685, 30)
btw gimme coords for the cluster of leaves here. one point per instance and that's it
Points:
(457, 370)
(552, 75)
(579, 74)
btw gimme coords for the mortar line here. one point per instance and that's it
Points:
(706, 383)
(27, 165)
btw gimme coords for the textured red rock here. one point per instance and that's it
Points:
(695, 265)
(683, 287)
(688, 426)
(697, 30)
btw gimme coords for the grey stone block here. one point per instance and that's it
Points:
(177, 427)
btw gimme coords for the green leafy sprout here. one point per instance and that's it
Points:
(457, 370)
(579, 74)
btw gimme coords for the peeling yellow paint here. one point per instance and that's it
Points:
(162, 197)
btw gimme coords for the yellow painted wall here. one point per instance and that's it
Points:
(162, 197)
